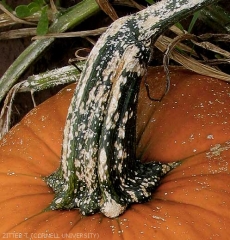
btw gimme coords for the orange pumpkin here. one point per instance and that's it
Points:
(190, 124)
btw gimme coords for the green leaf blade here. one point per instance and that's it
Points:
(22, 11)
(43, 23)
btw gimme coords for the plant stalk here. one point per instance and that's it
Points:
(216, 17)
(69, 19)
(99, 170)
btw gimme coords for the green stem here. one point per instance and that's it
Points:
(99, 170)
(69, 19)
(49, 79)
(34, 83)
(216, 17)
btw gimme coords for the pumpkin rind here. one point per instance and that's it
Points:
(192, 201)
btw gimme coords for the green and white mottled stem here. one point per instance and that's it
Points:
(34, 83)
(99, 170)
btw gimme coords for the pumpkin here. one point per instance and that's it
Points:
(190, 124)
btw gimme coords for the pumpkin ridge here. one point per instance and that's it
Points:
(76, 219)
(10, 184)
(21, 174)
(24, 174)
(185, 159)
(42, 140)
(24, 152)
(21, 222)
(51, 219)
(20, 159)
(184, 203)
(22, 196)
(75, 224)
(221, 147)
(121, 236)
(160, 204)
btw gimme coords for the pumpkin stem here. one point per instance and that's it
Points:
(99, 170)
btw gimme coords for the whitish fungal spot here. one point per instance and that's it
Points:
(217, 149)
(159, 218)
(210, 137)
(121, 132)
(110, 208)
(103, 164)
(58, 200)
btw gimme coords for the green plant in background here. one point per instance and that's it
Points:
(70, 18)
(36, 6)
(150, 1)
(4, 3)
(23, 11)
